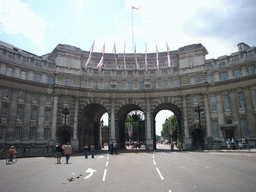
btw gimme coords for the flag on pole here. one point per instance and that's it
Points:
(136, 57)
(146, 58)
(90, 55)
(135, 8)
(157, 61)
(101, 61)
(114, 50)
(124, 57)
(168, 56)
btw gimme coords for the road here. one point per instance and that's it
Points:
(141, 171)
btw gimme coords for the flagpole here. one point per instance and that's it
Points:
(132, 29)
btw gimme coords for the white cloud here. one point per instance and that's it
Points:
(17, 17)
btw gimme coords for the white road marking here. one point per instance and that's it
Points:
(161, 176)
(106, 163)
(154, 162)
(91, 171)
(104, 175)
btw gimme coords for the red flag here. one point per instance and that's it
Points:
(90, 55)
(101, 61)
(135, 8)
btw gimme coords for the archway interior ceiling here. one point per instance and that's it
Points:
(168, 106)
(123, 111)
(95, 111)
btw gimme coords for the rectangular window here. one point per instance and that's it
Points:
(196, 115)
(50, 80)
(251, 70)
(176, 83)
(237, 73)
(216, 129)
(213, 103)
(130, 86)
(195, 100)
(6, 93)
(244, 128)
(4, 112)
(227, 102)
(17, 133)
(2, 133)
(241, 100)
(23, 75)
(95, 85)
(141, 86)
(19, 113)
(84, 84)
(32, 134)
(34, 98)
(67, 81)
(48, 99)
(210, 79)
(47, 116)
(46, 134)
(254, 96)
(119, 85)
(37, 77)
(9, 71)
(165, 84)
(34, 115)
(21, 95)
(223, 76)
(106, 85)
(192, 81)
(153, 85)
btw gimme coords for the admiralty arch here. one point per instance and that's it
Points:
(56, 98)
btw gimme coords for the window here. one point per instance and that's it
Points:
(195, 100)
(17, 133)
(237, 73)
(47, 116)
(141, 86)
(226, 102)
(9, 71)
(6, 93)
(106, 85)
(2, 133)
(216, 128)
(119, 85)
(95, 85)
(176, 83)
(244, 127)
(21, 95)
(196, 115)
(37, 77)
(254, 96)
(251, 70)
(23, 75)
(67, 81)
(19, 113)
(223, 76)
(241, 100)
(229, 122)
(4, 112)
(193, 81)
(165, 84)
(48, 99)
(84, 84)
(153, 85)
(34, 98)
(50, 80)
(130, 86)
(46, 133)
(34, 114)
(213, 103)
(65, 101)
(32, 133)
(210, 79)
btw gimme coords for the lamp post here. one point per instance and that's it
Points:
(200, 112)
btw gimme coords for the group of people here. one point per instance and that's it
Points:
(232, 144)
(88, 149)
(113, 148)
(61, 150)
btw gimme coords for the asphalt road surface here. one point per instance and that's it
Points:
(137, 171)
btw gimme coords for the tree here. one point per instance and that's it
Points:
(171, 123)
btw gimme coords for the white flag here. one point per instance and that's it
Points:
(136, 57)
(124, 57)
(114, 50)
(101, 61)
(168, 56)
(157, 62)
(90, 55)
(146, 58)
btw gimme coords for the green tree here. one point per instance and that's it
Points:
(170, 123)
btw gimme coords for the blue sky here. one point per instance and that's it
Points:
(38, 26)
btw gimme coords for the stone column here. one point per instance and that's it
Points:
(54, 118)
(75, 142)
(187, 139)
(112, 122)
(234, 112)
(149, 139)
(249, 112)
(12, 117)
(207, 116)
(220, 112)
(27, 117)
(41, 112)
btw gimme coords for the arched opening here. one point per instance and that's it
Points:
(158, 122)
(65, 137)
(198, 138)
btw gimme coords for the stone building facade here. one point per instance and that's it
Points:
(56, 98)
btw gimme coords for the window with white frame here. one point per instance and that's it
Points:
(9, 71)
(21, 95)
(165, 84)
(4, 112)
(95, 85)
(48, 99)
(176, 83)
(17, 133)
(66, 101)
(213, 103)
(216, 129)
(6, 93)
(119, 85)
(210, 79)
(84, 84)
(130, 85)
(106, 85)
(193, 81)
(32, 133)
(254, 96)
(153, 84)
(50, 80)
(19, 113)
(141, 86)
(195, 100)
(37, 77)
(67, 81)
(237, 73)
(34, 114)
(23, 75)
(34, 98)
(223, 76)
(226, 102)
(241, 100)
(251, 70)
(47, 116)
(244, 127)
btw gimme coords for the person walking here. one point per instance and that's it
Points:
(58, 152)
(111, 146)
(67, 151)
(86, 151)
(115, 147)
(92, 150)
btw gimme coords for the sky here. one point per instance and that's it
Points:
(39, 26)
